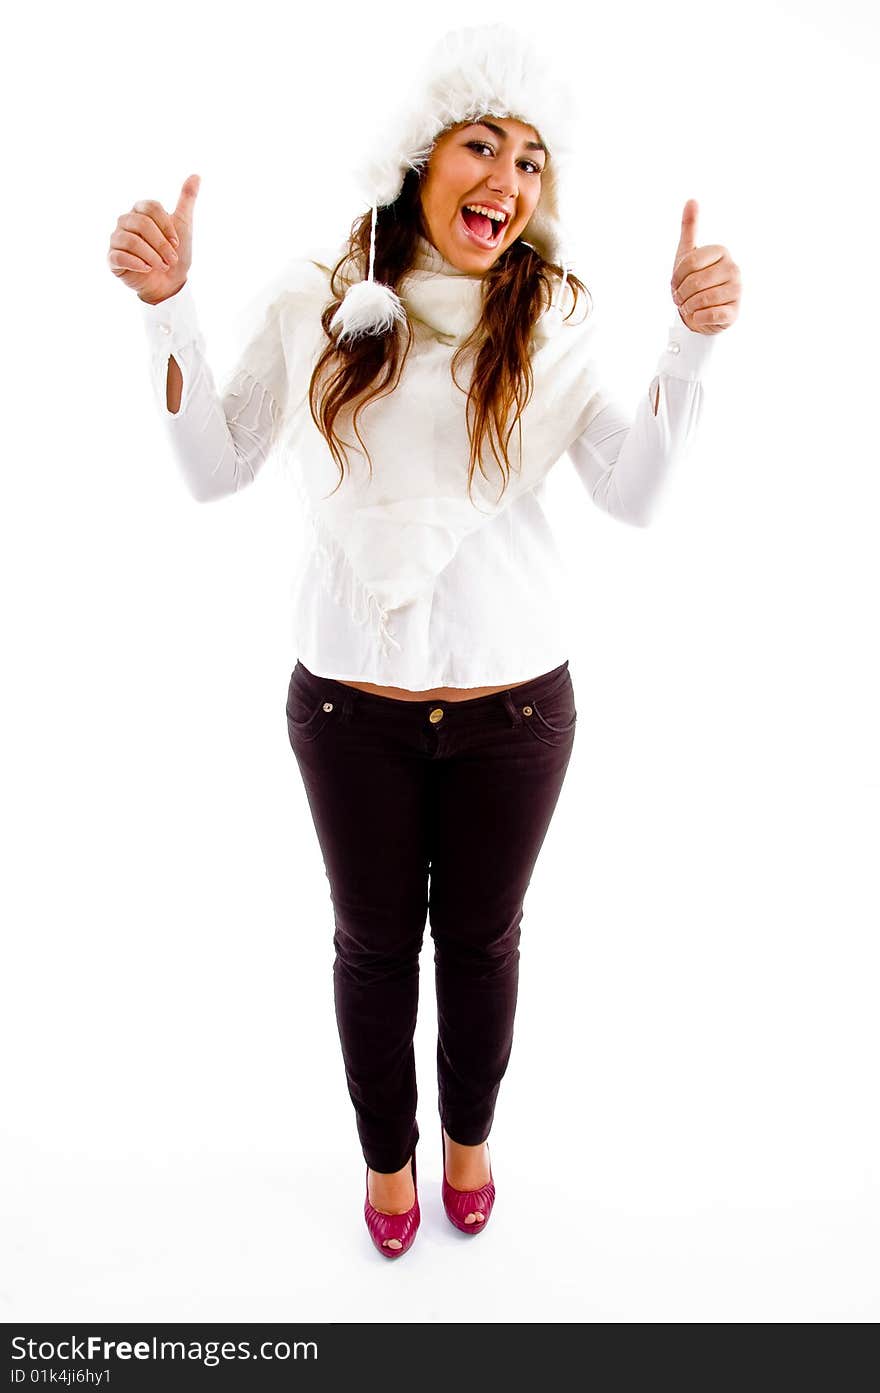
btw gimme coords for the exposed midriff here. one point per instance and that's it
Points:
(433, 693)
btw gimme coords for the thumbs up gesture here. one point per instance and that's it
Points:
(150, 249)
(705, 280)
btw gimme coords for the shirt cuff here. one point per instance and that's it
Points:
(686, 353)
(174, 321)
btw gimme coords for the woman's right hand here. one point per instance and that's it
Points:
(147, 237)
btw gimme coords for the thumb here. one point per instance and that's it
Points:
(187, 199)
(688, 238)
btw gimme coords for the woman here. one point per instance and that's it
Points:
(431, 710)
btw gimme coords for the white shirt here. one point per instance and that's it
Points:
(497, 613)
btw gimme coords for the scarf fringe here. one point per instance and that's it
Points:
(348, 589)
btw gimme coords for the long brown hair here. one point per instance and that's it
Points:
(513, 298)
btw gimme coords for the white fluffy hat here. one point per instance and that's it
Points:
(470, 72)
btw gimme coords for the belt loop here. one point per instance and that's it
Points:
(349, 697)
(513, 710)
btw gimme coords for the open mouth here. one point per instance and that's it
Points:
(480, 228)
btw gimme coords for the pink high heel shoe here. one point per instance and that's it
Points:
(401, 1226)
(459, 1203)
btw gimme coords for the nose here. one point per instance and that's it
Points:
(504, 184)
(504, 188)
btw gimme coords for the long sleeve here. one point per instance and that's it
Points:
(624, 461)
(219, 440)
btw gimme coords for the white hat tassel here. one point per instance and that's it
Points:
(368, 307)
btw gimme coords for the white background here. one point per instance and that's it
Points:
(688, 1129)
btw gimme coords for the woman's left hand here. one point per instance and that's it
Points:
(705, 280)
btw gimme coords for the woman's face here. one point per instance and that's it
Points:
(495, 161)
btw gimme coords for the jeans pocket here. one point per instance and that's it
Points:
(307, 713)
(552, 718)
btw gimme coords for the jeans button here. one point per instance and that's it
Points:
(436, 715)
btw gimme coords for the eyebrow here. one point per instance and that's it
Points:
(499, 131)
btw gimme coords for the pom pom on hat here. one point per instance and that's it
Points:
(368, 307)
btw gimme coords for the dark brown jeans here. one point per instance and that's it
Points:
(428, 808)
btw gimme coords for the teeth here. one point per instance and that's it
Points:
(492, 213)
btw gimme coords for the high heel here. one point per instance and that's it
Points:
(401, 1226)
(459, 1203)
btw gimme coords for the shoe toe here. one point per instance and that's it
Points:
(460, 1203)
(384, 1226)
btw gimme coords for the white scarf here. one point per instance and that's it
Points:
(383, 542)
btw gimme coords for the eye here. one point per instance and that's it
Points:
(484, 144)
